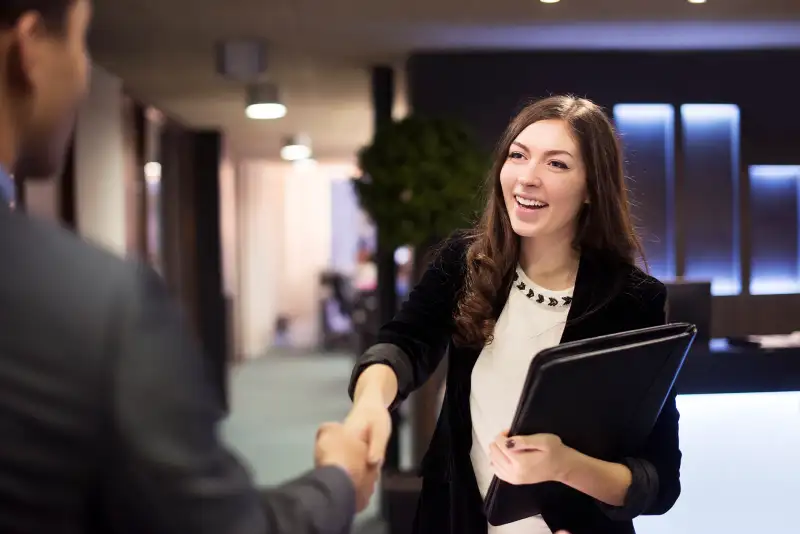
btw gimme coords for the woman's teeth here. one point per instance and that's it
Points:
(531, 204)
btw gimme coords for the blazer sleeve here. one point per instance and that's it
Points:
(168, 470)
(414, 342)
(656, 484)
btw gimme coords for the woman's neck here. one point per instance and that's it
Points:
(550, 264)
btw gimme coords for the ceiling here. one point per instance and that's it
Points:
(320, 50)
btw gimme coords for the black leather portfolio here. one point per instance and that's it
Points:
(601, 396)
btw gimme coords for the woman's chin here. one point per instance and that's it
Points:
(526, 230)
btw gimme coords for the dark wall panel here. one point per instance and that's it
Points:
(710, 195)
(486, 89)
(774, 218)
(648, 141)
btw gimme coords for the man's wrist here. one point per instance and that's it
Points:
(343, 487)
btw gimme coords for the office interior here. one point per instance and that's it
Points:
(229, 164)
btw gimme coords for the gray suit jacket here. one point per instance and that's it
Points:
(108, 414)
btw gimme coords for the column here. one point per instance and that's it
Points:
(211, 307)
(383, 86)
(192, 262)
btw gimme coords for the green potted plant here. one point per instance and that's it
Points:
(421, 180)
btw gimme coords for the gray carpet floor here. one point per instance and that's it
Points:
(277, 404)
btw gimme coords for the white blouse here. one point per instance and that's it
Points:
(532, 320)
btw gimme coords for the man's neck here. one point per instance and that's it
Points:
(551, 262)
(8, 136)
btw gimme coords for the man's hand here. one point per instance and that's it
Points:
(342, 448)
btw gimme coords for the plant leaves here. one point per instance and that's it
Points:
(424, 179)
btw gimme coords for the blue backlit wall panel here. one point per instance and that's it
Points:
(710, 195)
(648, 141)
(774, 222)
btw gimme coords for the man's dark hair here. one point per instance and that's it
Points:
(53, 12)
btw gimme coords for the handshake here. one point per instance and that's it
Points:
(357, 446)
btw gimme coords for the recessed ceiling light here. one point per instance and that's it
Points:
(697, 1)
(265, 111)
(263, 102)
(549, 1)
(296, 148)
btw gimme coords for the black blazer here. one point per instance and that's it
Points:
(609, 297)
(109, 415)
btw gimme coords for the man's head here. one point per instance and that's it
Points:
(44, 71)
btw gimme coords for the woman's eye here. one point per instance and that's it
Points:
(515, 155)
(559, 165)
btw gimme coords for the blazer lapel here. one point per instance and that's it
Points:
(596, 284)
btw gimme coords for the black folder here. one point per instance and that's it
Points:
(601, 396)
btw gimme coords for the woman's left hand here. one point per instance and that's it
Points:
(530, 459)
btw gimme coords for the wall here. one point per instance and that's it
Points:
(284, 229)
(347, 226)
(229, 239)
(102, 180)
(485, 90)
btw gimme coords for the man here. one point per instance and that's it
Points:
(108, 417)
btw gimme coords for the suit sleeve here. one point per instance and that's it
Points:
(414, 342)
(169, 471)
(655, 485)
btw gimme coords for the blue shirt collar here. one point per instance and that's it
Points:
(8, 190)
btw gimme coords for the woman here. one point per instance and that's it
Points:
(552, 260)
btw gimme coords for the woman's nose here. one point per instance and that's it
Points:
(530, 176)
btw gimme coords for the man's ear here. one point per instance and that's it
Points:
(25, 51)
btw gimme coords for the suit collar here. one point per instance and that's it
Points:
(7, 188)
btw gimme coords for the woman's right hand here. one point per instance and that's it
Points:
(370, 419)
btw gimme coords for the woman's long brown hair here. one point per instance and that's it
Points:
(605, 224)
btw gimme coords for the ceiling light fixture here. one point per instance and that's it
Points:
(697, 1)
(549, 1)
(296, 148)
(263, 102)
(152, 172)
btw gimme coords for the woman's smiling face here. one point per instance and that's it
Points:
(544, 181)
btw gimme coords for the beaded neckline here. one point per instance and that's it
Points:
(542, 297)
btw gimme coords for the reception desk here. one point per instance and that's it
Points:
(717, 367)
(740, 437)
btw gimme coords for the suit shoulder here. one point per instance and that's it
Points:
(66, 260)
(74, 293)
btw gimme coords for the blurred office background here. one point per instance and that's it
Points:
(219, 142)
